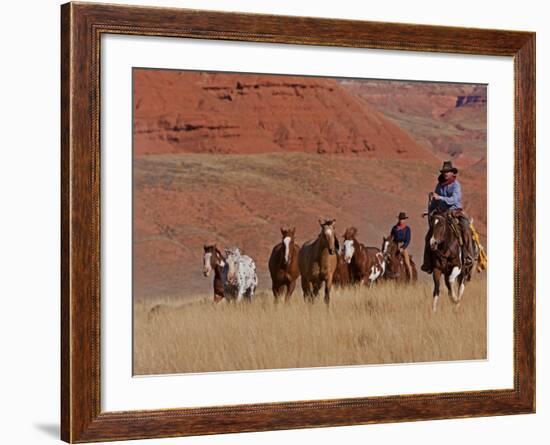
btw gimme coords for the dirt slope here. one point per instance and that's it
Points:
(449, 119)
(183, 201)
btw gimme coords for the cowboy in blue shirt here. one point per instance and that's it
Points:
(448, 197)
(401, 234)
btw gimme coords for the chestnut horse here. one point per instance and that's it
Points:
(283, 265)
(318, 260)
(446, 255)
(396, 269)
(341, 276)
(213, 260)
(366, 265)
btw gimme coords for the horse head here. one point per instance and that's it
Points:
(288, 239)
(390, 254)
(328, 234)
(439, 226)
(212, 257)
(350, 244)
(386, 242)
(232, 257)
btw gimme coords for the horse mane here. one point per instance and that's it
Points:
(218, 251)
(351, 232)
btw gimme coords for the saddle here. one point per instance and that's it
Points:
(453, 219)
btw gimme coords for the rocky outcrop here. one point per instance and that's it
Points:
(197, 112)
(462, 101)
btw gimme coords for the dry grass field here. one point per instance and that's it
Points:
(384, 324)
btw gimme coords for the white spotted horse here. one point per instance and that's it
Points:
(242, 279)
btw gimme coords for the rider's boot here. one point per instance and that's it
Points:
(427, 265)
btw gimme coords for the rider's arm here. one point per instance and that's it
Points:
(433, 203)
(407, 237)
(456, 196)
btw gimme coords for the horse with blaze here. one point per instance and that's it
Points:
(317, 261)
(446, 258)
(213, 260)
(283, 264)
(365, 264)
(396, 269)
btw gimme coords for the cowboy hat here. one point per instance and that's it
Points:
(402, 215)
(448, 167)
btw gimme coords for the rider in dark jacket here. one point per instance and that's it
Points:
(401, 234)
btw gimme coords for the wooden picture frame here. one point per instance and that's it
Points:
(82, 26)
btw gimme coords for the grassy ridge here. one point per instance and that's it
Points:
(385, 324)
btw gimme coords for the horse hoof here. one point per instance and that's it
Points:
(434, 304)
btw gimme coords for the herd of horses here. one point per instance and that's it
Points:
(324, 262)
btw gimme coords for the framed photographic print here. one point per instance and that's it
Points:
(274, 222)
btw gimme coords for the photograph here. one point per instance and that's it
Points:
(291, 221)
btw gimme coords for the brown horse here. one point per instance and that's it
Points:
(396, 269)
(283, 265)
(446, 258)
(318, 260)
(365, 264)
(341, 276)
(213, 260)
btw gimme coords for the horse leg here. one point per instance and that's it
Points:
(316, 287)
(368, 282)
(328, 285)
(289, 289)
(461, 281)
(275, 289)
(436, 277)
(250, 292)
(447, 283)
(452, 278)
(307, 289)
(240, 293)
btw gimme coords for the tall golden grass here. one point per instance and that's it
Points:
(387, 323)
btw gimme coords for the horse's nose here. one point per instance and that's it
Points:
(205, 272)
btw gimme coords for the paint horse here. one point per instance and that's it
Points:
(396, 269)
(213, 260)
(283, 265)
(242, 279)
(446, 256)
(366, 264)
(317, 261)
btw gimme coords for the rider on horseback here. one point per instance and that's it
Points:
(447, 199)
(401, 234)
